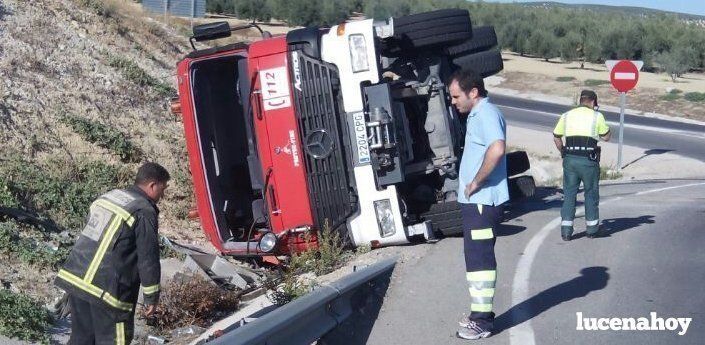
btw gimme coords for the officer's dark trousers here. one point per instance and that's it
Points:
(479, 224)
(578, 169)
(93, 324)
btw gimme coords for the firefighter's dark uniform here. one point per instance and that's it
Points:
(582, 128)
(117, 252)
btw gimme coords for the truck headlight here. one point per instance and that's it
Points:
(385, 218)
(267, 242)
(358, 53)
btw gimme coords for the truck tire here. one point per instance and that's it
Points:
(517, 163)
(521, 187)
(432, 28)
(485, 63)
(483, 38)
(446, 218)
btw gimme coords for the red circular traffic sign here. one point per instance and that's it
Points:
(624, 75)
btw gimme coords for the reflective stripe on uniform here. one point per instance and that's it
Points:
(488, 292)
(117, 210)
(567, 223)
(482, 308)
(482, 276)
(94, 290)
(100, 253)
(592, 222)
(120, 333)
(148, 290)
(481, 234)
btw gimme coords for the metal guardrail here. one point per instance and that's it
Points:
(308, 318)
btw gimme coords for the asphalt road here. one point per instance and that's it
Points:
(650, 260)
(677, 137)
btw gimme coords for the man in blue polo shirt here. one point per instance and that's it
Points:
(481, 192)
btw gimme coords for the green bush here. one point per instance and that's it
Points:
(23, 318)
(134, 73)
(29, 250)
(104, 136)
(58, 189)
(609, 174)
(100, 7)
(675, 91)
(596, 82)
(669, 97)
(564, 79)
(695, 96)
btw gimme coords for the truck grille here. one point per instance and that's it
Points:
(322, 131)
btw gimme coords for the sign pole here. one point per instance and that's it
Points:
(622, 101)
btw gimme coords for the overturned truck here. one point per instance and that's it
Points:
(348, 128)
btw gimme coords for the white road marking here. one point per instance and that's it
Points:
(523, 333)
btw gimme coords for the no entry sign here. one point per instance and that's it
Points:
(624, 74)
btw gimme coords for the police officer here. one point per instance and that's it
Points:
(117, 251)
(482, 191)
(582, 127)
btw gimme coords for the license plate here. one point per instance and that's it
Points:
(363, 149)
(275, 88)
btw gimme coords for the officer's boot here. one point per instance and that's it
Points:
(566, 230)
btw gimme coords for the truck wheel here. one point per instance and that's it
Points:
(485, 63)
(521, 187)
(445, 218)
(432, 28)
(483, 38)
(517, 163)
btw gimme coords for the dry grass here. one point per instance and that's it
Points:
(192, 301)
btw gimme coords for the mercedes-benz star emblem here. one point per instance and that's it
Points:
(319, 144)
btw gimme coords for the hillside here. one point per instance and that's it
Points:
(83, 101)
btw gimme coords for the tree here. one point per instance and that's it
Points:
(675, 63)
(255, 10)
(543, 44)
(571, 47)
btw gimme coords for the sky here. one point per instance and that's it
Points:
(692, 7)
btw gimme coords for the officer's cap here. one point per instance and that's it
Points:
(588, 94)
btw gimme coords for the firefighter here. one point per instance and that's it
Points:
(481, 192)
(117, 251)
(582, 128)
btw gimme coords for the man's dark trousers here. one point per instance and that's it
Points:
(479, 225)
(94, 324)
(577, 169)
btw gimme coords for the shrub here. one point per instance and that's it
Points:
(185, 302)
(60, 189)
(329, 256)
(104, 136)
(564, 79)
(675, 91)
(134, 73)
(100, 7)
(669, 97)
(23, 318)
(609, 174)
(695, 96)
(596, 82)
(30, 250)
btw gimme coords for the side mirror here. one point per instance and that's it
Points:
(211, 31)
